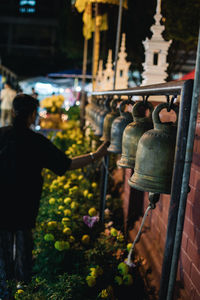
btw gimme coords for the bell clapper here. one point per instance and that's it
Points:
(153, 199)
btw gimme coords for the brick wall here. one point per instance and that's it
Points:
(156, 225)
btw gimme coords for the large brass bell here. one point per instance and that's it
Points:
(100, 117)
(133, 133)
(155, 156)
(109, 118)
(118, 127)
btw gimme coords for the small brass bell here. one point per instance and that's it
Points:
(100, 117)
(118, 127)
(109, 118)
(155, 156)
(133, 133)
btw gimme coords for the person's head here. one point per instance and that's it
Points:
(24, 110)
(7, 84)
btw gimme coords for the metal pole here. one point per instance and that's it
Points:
(117, 42)
(104, 181)
(186, 175)
(83, 94)
(106, 158)
(96, 46)
(183, 124)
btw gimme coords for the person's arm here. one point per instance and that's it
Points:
(86, 159)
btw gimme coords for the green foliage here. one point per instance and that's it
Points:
(74, 113)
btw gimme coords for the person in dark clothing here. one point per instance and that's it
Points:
(23, 155)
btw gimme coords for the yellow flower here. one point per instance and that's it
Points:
(91, 281)
(67, 200)
(60, 207)
(71, 239)
(128, 247)
(104, 294)
(90, 196)
(93, 272)
(67, 212)
(52, 224)
(67, 231)
(66, 221)
(52, 201)
(85, 239)
(74, 205)
(20, 291)
(113, 231)
(94, 185)
(92, 212)
(85, 193)
(120, 238)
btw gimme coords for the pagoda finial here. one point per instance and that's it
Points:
(158, 8)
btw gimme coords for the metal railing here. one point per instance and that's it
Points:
(184, 89)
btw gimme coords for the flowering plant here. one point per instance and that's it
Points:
(53, 104)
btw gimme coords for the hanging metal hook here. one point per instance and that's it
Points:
(170, 102)
(145, 99)
(130, 101)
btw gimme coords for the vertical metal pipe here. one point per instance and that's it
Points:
(104, 182)
(182, 131)
(186, 175)
(117, 42)
(106, 158)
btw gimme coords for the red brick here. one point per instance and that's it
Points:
(185, 262)
(193, 253)
(196, 215)
(191, 194)
(189, 229)
(188, 211)
(195, 178)
(184, 241)
(188, 286)
(197, 238)
(196, 296)
(195, 277)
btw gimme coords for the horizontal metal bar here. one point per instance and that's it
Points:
(169, 88)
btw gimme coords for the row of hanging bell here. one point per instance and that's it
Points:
(155, 155)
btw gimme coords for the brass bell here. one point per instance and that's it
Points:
(88, 110)
(118, 127)
(95, 113)
(109, 118)
(100, 117)
(155, 156)
(133, 133)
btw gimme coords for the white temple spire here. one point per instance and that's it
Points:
(156, 50)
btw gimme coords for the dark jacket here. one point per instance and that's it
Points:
(23, 155)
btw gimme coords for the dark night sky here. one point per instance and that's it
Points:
(50, 39)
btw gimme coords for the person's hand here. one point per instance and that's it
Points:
(102, 150)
